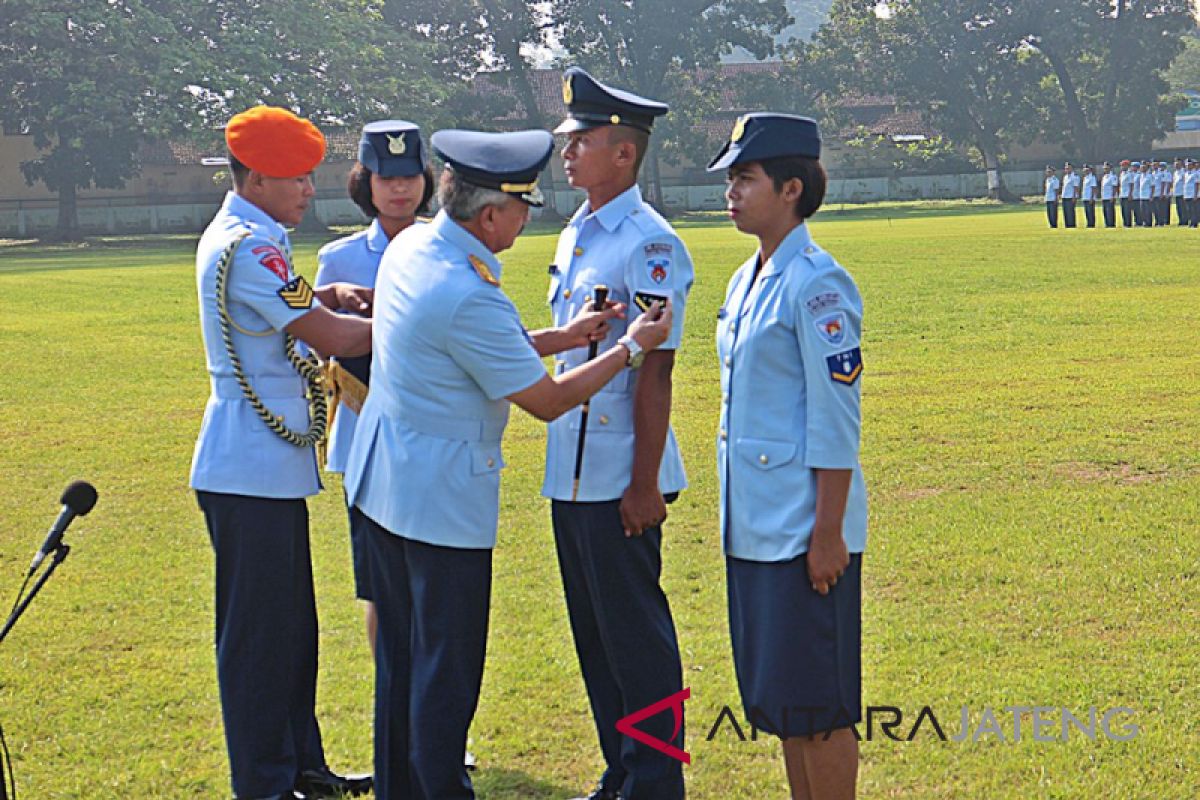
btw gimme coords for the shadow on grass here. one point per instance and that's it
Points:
(919, 209)
(494, 784)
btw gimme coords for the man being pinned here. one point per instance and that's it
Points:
(449, 356)
(608, 505)
(254, 461)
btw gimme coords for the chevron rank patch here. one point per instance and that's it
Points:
(844, 368)
(644, 300)
(296, 293)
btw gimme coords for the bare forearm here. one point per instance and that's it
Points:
(651, 416)
(549, 341)
(833, 487)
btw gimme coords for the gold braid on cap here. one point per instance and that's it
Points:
(308, 367)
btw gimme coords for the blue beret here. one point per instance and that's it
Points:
(392, 147)
(507, 162)
(591, 104)
(759, 136)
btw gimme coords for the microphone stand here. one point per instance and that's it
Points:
(60, 555)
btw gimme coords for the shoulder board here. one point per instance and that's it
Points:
(482, 270)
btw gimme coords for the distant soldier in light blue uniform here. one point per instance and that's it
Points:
(609, 486)
(254, 461)
(1128, 194)
(793, 500)
(1191, 191)
(1110, 186)
(1070, 194)
(449, 354)
(1091, 192)
(1145, 194)
(392, 183)
(1053, 188)
(1177, 179)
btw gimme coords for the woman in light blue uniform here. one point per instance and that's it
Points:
(392, 183)
(793, 501)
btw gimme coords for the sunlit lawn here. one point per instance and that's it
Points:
(1031, 444)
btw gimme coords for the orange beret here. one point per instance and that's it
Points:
(275, 142)
(1125, 163)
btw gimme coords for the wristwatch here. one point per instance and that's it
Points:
(636, 353)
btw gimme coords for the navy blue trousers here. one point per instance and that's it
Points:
(433, 607)
(625, 640)
(266, 640)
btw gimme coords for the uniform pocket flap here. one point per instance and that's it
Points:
(766, 454)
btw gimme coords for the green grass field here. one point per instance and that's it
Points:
(1032, 449)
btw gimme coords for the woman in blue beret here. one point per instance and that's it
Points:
(793, 501)
(392, 182)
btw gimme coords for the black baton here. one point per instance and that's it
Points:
(600, 297)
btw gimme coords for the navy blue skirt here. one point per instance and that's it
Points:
(797, 654)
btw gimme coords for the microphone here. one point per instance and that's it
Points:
(77, 499)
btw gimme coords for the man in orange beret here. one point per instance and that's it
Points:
(255, 462)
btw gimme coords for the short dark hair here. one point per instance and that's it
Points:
(618, 134)
(811, 174)
(239, 171)
(359, 186)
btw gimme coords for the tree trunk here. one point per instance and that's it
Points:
(1085, 141)
(996, 188)
(67, 229)
(1116, 62)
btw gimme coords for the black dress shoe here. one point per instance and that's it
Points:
(315, 784)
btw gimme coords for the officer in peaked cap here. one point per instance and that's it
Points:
(254, 462)
(449, 355)
(793, 500)
(608, 504)
(392, 182)
(591, 104)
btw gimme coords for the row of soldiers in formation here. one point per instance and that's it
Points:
(1145, 190)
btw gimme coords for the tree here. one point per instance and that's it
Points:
(649, 47)
(1107, 59)
(958, 63)
(1184, 74)
(89, 82)
(92, 81)
(474, 36)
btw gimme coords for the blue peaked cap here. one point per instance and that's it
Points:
(591, 104)
(391, 148)
(763, 135)
(506, 162)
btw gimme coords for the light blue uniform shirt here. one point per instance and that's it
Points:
(1145, 185)
(352, 259)
(236, 452)
(629, 247)
(790, 395)
(447, 349)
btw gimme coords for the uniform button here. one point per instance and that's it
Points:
(603, 420)
(762, 459)
(578, 251)
(810, 250)
(587, 298)
(567, 294)
(491, 463)
(728, 361)
(733, 327)
(724, 435)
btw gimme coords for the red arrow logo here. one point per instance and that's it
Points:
(675, 703)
